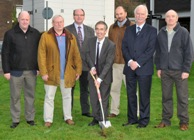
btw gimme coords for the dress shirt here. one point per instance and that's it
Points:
(82, 29)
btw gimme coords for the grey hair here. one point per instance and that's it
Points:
(56, 16)
(141, 6)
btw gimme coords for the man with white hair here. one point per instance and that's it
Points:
(138, 47)
(60, 64)
(173, 59)
(19, 61)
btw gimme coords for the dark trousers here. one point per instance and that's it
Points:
(84, 93)
(105, 94)
(168, 78)
(144, 83)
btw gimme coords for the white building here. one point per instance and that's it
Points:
(95, 10)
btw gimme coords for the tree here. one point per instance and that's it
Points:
(129, 5)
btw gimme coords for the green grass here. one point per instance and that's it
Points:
(81, 131)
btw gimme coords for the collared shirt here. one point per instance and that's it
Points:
(61, 40)
(120, 24)
(82, 29)
(170, 35)
(141, 26)
(100, 45)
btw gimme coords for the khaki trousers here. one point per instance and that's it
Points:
(27, 82)
(49, 101)
(115, 91)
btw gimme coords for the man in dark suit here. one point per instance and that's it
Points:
(82, 33)
(138, 47)
(100, 54)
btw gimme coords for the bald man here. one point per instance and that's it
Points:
(173, 59)
(116, 33)
(19, 63)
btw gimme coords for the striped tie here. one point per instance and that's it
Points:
(138, 31)
(80, 39)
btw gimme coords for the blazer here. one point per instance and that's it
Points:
(105, 61)
(139, 48)
(88, 33)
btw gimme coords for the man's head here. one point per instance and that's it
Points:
(101, 29)
(78, 16)
(120, 13)
(58, 23)
(171, 18)
(140, 13)
(24, 20)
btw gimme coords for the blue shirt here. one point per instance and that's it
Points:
(61, 39)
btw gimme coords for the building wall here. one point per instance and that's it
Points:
(95, 10)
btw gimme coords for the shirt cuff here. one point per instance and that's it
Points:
(138, 65)
(129, 62)
(99, 80)
(93, 68)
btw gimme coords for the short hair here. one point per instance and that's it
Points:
(102, 22)
(56, 16)
(121, 7)
(23, 12)
(78, 9)
(142, 6)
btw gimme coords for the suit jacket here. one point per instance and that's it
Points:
(88, 33)
(139, 48)
(105, 61)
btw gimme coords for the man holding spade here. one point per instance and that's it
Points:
(100, 54)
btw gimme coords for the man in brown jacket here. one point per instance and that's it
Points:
(60, 65)
(116, 33)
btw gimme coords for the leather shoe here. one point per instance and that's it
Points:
(184, 127)
(129, 123)
(161, 125)
(112, 115)
(14, 124)
(141, 126)
(47, 124)
(31, 123)
(94, 122)
(87, 114)
(69, 122)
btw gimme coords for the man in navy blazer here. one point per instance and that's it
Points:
(101, 67)
(138, 47)
(87, 32)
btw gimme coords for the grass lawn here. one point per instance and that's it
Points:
(81, 131)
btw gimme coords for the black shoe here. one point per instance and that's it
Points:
(94, 122)
(141, 126)
(87, 114)
(31, 123)
(129, 123)
(14, 125)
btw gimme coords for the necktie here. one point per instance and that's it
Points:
(80, 36)
(138, 31)
(97, 55)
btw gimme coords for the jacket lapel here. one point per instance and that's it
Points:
(103, 50)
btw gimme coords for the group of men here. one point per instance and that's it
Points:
(63, 55)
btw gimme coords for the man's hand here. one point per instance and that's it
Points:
(184, 75)
(93, 71)
(159, 73)
(45, 77)
(7, 76)
(37, 72)
(77, 77)
(133, 65)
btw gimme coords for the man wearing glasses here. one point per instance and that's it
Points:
(82, 33)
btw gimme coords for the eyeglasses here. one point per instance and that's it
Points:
(78, 15)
